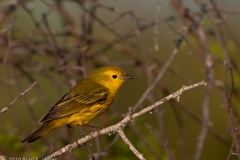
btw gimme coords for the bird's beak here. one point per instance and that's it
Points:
(127, 76)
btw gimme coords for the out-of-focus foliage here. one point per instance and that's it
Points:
(57, 43)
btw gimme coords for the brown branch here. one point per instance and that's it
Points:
(156, 27)
(164, 140)
(226, 26)
(205, 106)
(9, 35)
(159, 76)
(231, 119)
(210, 78)
(37, 24)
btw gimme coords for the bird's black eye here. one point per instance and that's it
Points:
(114, 76)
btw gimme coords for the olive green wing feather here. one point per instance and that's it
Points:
(83, 95)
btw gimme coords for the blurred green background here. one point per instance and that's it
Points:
(188, 68)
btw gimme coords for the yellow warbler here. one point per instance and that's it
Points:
(85, 101)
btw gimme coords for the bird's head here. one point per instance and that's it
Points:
(111, 77)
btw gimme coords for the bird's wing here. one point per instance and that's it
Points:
(79, 97)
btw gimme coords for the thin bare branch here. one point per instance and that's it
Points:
(19, 96)
(129, 144)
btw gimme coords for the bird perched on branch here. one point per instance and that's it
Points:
(85, 101)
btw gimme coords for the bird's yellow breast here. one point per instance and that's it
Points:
(87, 114)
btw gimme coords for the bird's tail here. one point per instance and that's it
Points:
(46, 127)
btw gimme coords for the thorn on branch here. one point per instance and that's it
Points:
(152, 110)
(177, 94)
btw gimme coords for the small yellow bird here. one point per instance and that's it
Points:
(85, 101)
